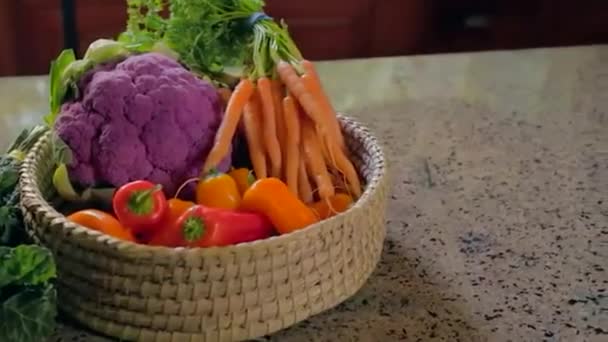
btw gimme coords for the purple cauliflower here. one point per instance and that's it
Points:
(146, 117)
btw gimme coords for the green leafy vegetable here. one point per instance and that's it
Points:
(61, 151)
(104, 50)
(25, 265)
(28, 300)
(67, 191)
(58, 87)
(145, 24)
(207, 35)
(10, 176)
(272, 43)
(11, 221)
(29, 315)
(212, 34)
(12, 231)
(27, 294)
(70, 78)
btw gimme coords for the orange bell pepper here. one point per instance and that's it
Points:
(175, 208)
(102, 222)
(218, 190)
(332, 206)
(272, 197)
(243, 178)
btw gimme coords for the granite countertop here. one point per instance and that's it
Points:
(498, 218)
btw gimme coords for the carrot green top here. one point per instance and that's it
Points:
(209, 35)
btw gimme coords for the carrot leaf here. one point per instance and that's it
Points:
(145, 24)
(211, 35)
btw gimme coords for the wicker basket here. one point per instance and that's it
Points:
(138, 292)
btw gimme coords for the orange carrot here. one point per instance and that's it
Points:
(292, 143)
(271, 141)
(252, 124)
(298, 89)
(338, 180)
(336, 134)
(333, 138)
(311, 107)
(241, 95)
(314, 160)
(324, 150)
(345, 166)
(329, 144)
(304, 187)
(336, 153)
(278, 92)
(314, 85)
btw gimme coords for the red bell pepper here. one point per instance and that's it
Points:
(200, 226)
(140, 205)
(175, 208)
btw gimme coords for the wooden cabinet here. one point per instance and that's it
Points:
(323, 29)
(353, 28)
(99, 19)
(8, 60)
(572, 23)
(479, 25)
(32, 31)
(467, 25)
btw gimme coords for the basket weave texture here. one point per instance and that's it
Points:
(145, 293)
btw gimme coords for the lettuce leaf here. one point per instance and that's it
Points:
(29, 315)
(28, 299)
(57, 85)
(25, 265)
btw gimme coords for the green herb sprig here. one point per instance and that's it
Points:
(210, 36)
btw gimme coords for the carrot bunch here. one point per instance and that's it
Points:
(290, 125)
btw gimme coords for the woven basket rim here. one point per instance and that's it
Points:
(33, 200)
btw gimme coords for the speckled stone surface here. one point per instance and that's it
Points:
(498, 220)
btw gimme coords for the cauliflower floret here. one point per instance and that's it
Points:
(146, 117)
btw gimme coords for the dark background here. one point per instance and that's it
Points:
(32, 32)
